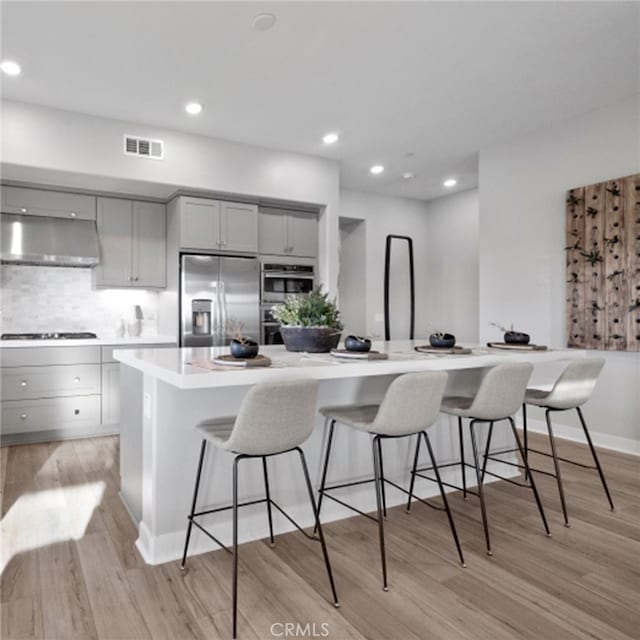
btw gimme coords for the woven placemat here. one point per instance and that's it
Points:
(453, 351)
(358, 355)
(229, 360)
(516, 347)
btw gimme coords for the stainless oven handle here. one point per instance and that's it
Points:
(287, 274)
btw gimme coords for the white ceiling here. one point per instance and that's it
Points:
(437, 80)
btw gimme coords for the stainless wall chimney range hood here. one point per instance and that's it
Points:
(40, 240)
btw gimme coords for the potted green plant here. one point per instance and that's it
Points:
(309, 322)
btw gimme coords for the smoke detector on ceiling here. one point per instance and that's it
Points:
(143, 147)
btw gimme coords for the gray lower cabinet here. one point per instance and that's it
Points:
(132, 237)
(288, 233)
(42, 202)
(58, 415)
(51, 393)
(110, 393)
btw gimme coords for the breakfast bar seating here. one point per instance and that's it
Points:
(497, 399)
(572, 389)
(273, 420)
(410, 406)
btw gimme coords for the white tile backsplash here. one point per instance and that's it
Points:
(38, 299)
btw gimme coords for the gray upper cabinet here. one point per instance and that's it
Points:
(40, 202)
(199, 223)
(212, 225)
(302, 234)
(289, 233)
(132, 237)
(239, 227)
(148, 244)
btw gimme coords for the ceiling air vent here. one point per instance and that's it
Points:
(143, 147)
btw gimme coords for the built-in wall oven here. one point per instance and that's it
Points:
(278, 281)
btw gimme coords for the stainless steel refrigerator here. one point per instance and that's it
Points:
(217, 294)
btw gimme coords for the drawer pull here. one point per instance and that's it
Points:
(23, 383)
(76, 379)
(76, 412)
(23, 416)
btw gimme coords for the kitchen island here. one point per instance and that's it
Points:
(166, 392)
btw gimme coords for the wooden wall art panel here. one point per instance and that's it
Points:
(603, 265)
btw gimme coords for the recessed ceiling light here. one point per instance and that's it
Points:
(330, 138)
(408, 175)
(11, 68)
(451, 182)
(264, 21)
(193, 108)
(376, 169)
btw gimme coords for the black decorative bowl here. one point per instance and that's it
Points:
(357, 343)
(445, 341)
(310, 339)
(516, 337)
(244, 348)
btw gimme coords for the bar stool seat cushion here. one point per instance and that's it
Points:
(359, 417)
(457, 406)
(572, 389)
(217, 430)
(537, 396)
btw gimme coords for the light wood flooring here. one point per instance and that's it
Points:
(75, 573)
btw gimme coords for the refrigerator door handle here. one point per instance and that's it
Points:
(223, 314)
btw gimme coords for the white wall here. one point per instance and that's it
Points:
(385, 215)
(353, 295)
(452, 264)
(36, 139)
(523, 184)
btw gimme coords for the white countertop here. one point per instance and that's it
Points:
(175, 366)
(91, 342)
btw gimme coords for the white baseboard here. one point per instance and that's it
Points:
(603, 440)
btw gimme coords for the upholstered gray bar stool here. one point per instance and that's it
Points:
(498, 397)
(273, 419)
(571, 390)
(410, 405)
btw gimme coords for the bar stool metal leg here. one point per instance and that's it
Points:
(316, 516)
(462, 461)
(268, 496)
(595, 458)
(444, 498)
(526, 435)
(412, 482)
(325, 466)
(531, 480)
(377, 482)
(556, 464)
(487, 447)
(483, 509)
(382, 487)
(193, 502)
(235, 544)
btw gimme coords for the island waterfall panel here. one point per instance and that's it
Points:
(603, 265)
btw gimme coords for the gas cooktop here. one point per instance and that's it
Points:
(62, 335)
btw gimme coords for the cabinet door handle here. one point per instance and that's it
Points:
(76, 379)
(73, 214)
(76, 412)
(23, 416)
(23, 209)
(23, 383)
